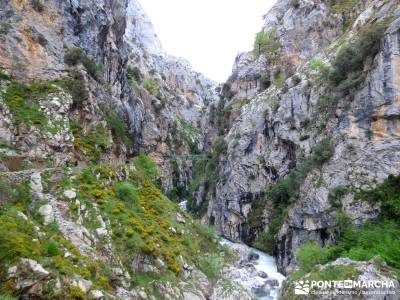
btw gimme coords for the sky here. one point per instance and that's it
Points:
(208, 33)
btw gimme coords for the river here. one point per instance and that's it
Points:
(259, 274)
(264, 288)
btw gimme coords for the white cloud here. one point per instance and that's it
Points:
(208, 33)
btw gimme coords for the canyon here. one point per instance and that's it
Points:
(103, 134)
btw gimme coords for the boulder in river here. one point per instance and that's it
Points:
(262, 274)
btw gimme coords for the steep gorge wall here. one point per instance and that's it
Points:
(85, 87)
(160, 98)
(276, 132)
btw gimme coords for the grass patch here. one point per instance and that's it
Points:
(146, 166)
(92, 144)
(342, 6)
(22, 101)
(151, 86)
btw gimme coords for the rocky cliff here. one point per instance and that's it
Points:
(311, 116)
(175, 100)
(85, 91)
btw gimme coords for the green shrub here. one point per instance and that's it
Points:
(186, 132)
(52, 248)
(75, 292)
(279, 79)
(151, 85)
(266, 42)
(380, 238)
(327, 104)
(353, 58)
(76, 55)
(322, 152)
(6, 192)
(119, 128)
(206, 174)
(134, 74)
(295, 3)
(22, 193)
(265, 82)
(226, 93)
(94, 143)
(311, 254)
(146, 166)
(5, 297)
(335, 196)
(77, 88)
(210, 265)
(15, 194)
(73, 56)
(21, 100)
(387, 195)
(3, 76)
(322, 68)
(16, 238)
(126, 192)
(94, 70)
(5, 28)
(87, 176)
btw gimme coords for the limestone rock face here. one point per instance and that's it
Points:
(29, 275)
(175, 116)
(170, 120)
(277, 125)
(46, 212)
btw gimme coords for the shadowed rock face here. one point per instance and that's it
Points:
(279, 126)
